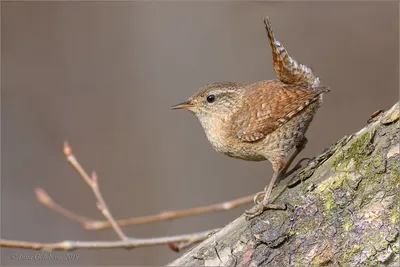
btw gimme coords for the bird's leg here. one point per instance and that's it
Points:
(263, 205)
(280, 172)
(299, 147)
(284, 172)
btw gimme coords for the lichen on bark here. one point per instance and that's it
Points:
(343, 210)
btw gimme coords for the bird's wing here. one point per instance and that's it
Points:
(270, 104)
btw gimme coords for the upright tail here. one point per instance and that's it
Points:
(287, 68)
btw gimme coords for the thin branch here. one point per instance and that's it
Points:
(94, 185)
(178, 242)
(126, 243)
(92, 224)
(46, 200)
(178, 247)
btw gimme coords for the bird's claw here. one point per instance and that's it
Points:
(260, 207)
(257, 196)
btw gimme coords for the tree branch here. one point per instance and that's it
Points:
(126, 243)
(92, 224)
(343, 210)
(176, 243)
(94, 185)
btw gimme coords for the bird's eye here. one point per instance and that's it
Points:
(210, 98)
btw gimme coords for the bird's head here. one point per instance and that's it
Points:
(216, 100)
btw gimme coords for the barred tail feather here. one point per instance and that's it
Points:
(287, 68)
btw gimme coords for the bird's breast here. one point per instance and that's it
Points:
(217, 135)
(223, 140)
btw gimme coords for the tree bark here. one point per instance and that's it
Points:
(343, 210)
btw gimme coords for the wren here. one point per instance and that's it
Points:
(266, 120)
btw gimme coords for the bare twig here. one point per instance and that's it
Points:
(46, 200)
(92, 224)
(94, 185)
(177, 247)
(176, 243)
(126, 243)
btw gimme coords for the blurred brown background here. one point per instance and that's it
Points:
(103, 75)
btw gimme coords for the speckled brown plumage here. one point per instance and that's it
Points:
(287, 68)
(261, 121)
(268, 105)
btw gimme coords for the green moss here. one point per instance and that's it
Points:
(321, 188)
(394, 182)
(392, 117)
(357, 151)
(395, 246)
(348, 223)
(320, 261)
(323, 259)
(395, 213)
(305, 227)
(373, 175)
(338, 182)
(300, 262)
(297, 202)
(396, 174)
(364, 199)
(325, 191)
(377, 240)
(379, 163)
(331, 184)
(329, 200)
(356, 249)
(348, 255)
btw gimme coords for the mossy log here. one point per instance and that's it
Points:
(343, 210)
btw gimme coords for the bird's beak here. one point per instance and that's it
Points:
(183, 105)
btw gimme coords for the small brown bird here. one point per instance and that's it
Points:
(261, 121)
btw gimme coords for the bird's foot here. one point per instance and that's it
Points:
(261, 207)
